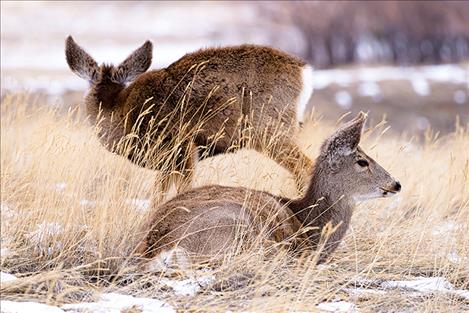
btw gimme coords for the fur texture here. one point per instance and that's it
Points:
(202, 104)
(206, 222)
(306, 92)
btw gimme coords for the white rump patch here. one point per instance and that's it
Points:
(305, 94)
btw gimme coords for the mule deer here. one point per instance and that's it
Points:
(209, 91)
(206, 221)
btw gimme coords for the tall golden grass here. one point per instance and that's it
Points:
(72, 213)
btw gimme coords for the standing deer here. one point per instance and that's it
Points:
(204, 222)
(198, 103)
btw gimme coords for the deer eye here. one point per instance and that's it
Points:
(363, 163)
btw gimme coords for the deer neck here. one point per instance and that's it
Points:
(106, 95)
(323, 204)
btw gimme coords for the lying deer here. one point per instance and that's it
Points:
(199, 102)
(206, 221)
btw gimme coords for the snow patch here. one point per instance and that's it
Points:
(360, 291)
(459, 97)
(60, 186)
(5, 252)
(5, 277)
(44, 237)
(115, 303)
(27, 307)
(462, 293)
(420, 86)
(188, 287)
(6, 211)
(369, 89)
(426, 285)
(340, 306)
(141, 205)
(343, 99)
(418, 76)
(453, 257)
(445, 229)
(87, 203)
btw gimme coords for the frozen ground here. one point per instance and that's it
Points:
(187, 288)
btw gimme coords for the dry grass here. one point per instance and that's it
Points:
(71, 213)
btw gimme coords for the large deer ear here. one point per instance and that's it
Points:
(136, 64)
(79, 61)
(344, 140)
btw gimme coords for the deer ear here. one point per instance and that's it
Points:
(344, 140)
(136, 64)
(79, 61)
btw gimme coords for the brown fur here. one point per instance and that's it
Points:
(200, 99)
(206, 221)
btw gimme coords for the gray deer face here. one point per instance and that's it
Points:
(350, 170)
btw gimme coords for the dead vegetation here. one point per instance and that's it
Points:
(71, 214)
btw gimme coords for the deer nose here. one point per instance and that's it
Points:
(397, 186)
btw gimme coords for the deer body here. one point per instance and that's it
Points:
(209, 92)
(206, 221)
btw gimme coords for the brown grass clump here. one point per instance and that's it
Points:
(71, 216)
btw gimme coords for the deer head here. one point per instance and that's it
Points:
(349, 171)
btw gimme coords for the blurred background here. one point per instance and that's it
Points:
(406, 60)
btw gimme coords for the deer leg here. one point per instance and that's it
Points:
(170, 183)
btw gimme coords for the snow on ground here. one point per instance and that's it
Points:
(60, 187)
(44, 237)
(420, 86)
(417, 76)
(98, 27)
(368, 78)
(454, 257)
(359, 291)
(108, 303)
(343, 99)
(27, 307)
(6, 211)
(5, 252)
(188, 287)
(446, 228)
(115, 303)
(141, 205)
(340, 306)
(5, 277)
(426, 285)
(87, 203)
(459, 97)
(369, 89)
